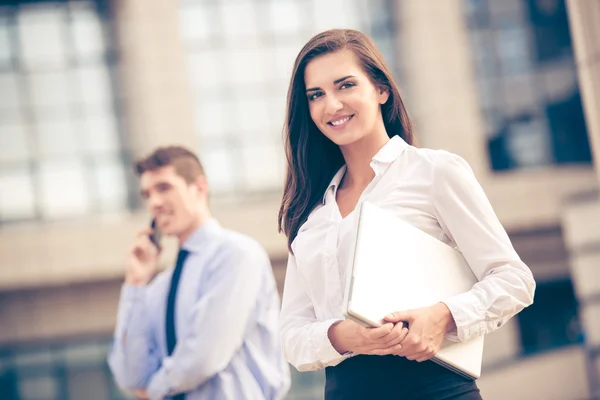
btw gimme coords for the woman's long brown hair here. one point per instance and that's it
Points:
(312, 159)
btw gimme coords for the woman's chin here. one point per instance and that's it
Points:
(345, 139)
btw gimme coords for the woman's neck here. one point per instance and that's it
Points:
(358, 157)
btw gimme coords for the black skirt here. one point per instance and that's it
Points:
(394, 377)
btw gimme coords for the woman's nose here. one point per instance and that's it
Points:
(333, 105)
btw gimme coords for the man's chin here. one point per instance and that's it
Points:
(168, 229)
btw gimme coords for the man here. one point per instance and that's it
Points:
(207, 329)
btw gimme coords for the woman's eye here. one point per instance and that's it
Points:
(315, 96)
(346, 85)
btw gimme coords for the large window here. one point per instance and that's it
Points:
(60, 147)
(551, 321)
(72, 371)
(240, 57)
(527, 83)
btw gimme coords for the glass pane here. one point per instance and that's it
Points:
(246, 66)
(10, 99)
(476, 12)
(25, 359)
(14, 146)
(387, 46)
(520, 95)
(484, 50)
(111, 188)
(376, 14)
(212, 119)
(38, 388)
(63, 189)
(85, 354)
(559, 81)
(506, 10)
(238, 21)
(196, 21)
(490, 93)
(285, 57)
(253, 119)
(285, 16)
(41, 32)
(307, 385)
(51, 89)
(206, 68)
(5, 41)
(16, 194)
(495, 122)
(528, 142)
(513, 50)
(219, 164)
(334, 14)
(100, 135)
(263, 167)
(87, 32)
(94, 84)
(277, 108)
(89, 384)
(57, 138)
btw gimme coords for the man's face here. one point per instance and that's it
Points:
(171, 200)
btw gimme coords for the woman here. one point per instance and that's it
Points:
(349, 139)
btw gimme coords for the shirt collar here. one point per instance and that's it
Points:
(379, 163)
(196, 242)
(335, 182)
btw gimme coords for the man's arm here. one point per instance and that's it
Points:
(219, 319)
(133, 357)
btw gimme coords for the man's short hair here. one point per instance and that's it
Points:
(186, 163)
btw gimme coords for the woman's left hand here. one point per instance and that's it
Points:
(426, 330)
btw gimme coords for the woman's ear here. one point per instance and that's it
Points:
(384, 95)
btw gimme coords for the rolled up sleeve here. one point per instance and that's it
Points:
(506, 284)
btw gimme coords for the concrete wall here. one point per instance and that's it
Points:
(557, 375)
(60, 280)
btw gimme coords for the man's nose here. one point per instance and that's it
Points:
(155, 202)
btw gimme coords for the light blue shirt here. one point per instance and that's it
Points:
(226, 320)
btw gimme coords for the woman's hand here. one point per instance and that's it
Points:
(348, 336)
(426, 330)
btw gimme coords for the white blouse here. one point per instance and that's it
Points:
(435, 191)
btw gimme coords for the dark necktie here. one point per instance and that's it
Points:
(170, 321)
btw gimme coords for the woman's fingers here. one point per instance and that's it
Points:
(374, 334)
(396, 336)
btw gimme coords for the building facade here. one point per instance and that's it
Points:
(89, 86)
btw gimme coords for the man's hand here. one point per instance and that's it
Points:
(349, 336)
(143, 260)
(426, 330)
(140, 394)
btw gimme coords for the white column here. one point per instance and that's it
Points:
(153, 73)
(441, 79)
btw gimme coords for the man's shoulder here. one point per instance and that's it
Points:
(242, 244)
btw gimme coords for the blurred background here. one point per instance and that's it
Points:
(88, 86)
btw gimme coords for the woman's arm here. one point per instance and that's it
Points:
(304, 338)
(310, 344)
(506, 284)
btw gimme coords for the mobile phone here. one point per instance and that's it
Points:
(156, 234)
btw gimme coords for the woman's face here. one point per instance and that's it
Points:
(343, 102)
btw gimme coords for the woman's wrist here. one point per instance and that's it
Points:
(447, 318)
(333, 333)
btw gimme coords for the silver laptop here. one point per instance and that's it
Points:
(395, 267)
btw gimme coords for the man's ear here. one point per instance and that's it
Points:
(201, 184)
